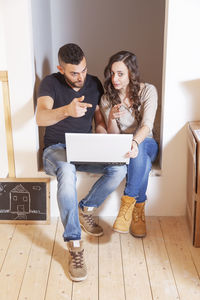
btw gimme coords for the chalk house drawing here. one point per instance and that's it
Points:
(23, 201)
(20, 201)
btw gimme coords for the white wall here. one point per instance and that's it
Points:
(3, 149)
(167, 193)
(3, 66)
(19, 57)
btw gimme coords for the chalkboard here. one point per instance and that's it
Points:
(24, 200)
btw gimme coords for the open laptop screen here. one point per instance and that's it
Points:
(97, 148)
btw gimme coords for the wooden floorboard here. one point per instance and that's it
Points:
(136, 278)
(163, 265)
(59, 285)
(6, 234)
(195, 252)
(13, 269)
(161, 277)
(38, 264)
(185, 273)
(111, 280)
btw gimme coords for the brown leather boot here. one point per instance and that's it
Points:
(138, 225)
(123, 220)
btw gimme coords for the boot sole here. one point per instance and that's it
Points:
(138, 236)
(90, 233)
(120, 231)
(77, 278)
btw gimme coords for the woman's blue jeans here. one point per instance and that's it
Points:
(139, 168)
(54, 161)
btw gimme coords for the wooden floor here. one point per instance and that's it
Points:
(164, 265)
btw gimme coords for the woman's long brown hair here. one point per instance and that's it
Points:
(129, 59)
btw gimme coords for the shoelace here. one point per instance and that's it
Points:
(90, 220)
(137, 215)
(77, 259)
(124, 207)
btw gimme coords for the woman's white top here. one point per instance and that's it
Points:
(127, 123)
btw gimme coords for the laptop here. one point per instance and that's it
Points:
(97, 148)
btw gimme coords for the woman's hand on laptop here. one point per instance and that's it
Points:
(134, 151)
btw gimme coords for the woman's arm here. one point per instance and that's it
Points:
(138, 138)
(141, 134)
(114, 114)
(150, 107)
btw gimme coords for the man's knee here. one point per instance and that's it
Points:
(66, 170)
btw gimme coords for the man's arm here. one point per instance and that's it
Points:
(46, 115)
(100, 126)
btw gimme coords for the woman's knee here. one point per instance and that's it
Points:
(117, 171)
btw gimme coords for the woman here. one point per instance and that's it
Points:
(129, 106)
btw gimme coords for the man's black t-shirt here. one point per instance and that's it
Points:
(56, 87)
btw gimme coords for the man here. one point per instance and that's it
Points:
(68, 102)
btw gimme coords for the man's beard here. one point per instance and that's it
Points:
(75, 84)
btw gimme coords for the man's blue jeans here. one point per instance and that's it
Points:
(139, 168)
(54, 161)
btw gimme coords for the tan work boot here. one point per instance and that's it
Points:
(88, 223)
(138, 224)
(77, 266)
(123, 220)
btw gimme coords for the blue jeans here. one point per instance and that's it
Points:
(139, 168)
(54, 161)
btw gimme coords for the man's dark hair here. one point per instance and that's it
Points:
(70, 54)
